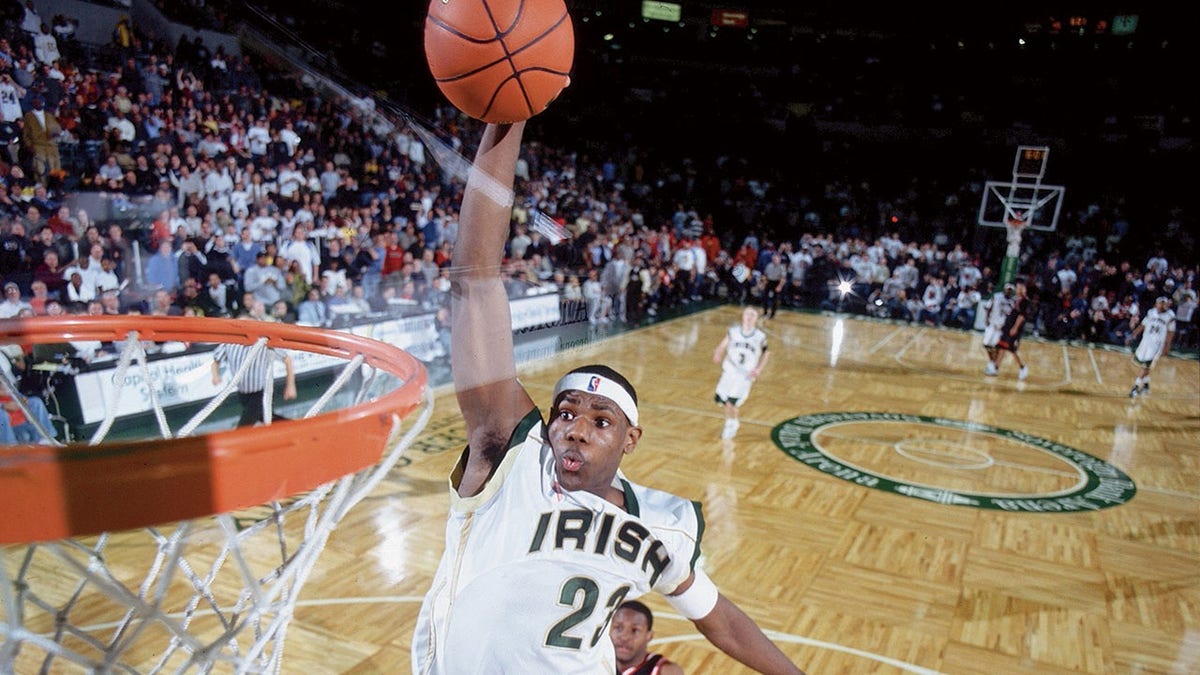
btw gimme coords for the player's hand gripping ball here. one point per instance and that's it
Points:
(500, 61)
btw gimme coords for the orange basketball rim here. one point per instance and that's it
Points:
(56, 492)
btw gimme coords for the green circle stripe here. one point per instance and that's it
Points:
(1105, 486)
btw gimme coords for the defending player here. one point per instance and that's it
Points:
(1157, 329)
(1010, 334)
(632, 631)
(545, 537)
(742, 355)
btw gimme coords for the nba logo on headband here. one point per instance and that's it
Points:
(599, 385)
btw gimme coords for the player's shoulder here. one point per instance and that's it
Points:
(659, 508)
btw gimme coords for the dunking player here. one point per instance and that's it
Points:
(545, 537)
(1157, 329)
(1010, 334)
(632, 630)
(742, 355)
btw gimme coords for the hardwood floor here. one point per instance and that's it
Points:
(884, 508)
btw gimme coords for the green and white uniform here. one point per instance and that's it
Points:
(1156, 326)
(742, 355)
(559, 563)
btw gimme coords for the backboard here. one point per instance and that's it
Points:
(1025, 198)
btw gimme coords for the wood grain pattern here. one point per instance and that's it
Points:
(850, 579)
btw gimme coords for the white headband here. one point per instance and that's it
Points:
(601, 386)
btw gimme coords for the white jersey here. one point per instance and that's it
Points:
(743, 352)
(10, 103)
(531, 574)
(1156, 326)
(998, 308)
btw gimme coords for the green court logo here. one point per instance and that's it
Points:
(954, 462)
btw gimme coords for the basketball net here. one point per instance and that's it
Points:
(211, 594)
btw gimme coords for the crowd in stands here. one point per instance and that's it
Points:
(267, 200)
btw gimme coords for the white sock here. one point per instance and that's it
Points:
(731, 426)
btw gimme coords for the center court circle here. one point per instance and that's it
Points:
(1090, 484)
(948, 455)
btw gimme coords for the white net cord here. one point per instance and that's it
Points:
(212, 595)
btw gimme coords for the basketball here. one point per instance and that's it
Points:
(499, 61)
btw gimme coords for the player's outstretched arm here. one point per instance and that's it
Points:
(481, 345)
(736, 634)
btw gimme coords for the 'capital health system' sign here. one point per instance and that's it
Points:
(187, 377)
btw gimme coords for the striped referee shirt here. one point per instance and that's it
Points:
(233, 355)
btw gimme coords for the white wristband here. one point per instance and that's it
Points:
(698, 600)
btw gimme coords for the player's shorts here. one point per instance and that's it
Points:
(991, 335)
(1011, 344)
(1147, 352)
(732, 388)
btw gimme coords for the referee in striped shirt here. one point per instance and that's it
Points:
(250, 388)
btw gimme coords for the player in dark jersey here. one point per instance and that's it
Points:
(631, 632)
(1014, 326)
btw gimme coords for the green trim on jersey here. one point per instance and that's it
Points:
(631, 503)
(699, 532)
(534, 416)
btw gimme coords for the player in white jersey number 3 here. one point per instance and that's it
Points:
(742, 354)
(546, 537)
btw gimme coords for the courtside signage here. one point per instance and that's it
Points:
(1100, 485)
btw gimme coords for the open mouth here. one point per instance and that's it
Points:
(570, 462)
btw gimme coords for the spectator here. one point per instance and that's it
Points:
(18, 427)
(282, 312)
(61, 223)
(312, 311)
(191, 262)
(45, 46)
(12, 303)
(41, 133)
(264, 281)
(11, 94)
(221, 296)
(50, 274)
(932, 299)
(162, 268)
